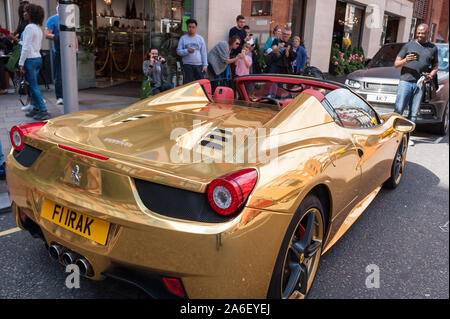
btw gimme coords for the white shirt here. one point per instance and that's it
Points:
(31, 44)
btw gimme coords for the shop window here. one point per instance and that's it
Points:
(412, 29)
(261, 8)
(348, 22)
(120, 33)
(432, 32)
(3, 18)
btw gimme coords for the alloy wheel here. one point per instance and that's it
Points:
(303, 256)
(400, 160)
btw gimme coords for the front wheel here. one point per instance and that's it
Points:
(398, 166)
(299, 255)
(442, 127)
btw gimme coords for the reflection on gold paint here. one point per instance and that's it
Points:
(288, 184)
(188, 93)
(352, 217)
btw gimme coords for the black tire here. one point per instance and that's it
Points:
(398, 165)
(442, 127)
(300, 251)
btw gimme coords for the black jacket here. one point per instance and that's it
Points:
(279, 59)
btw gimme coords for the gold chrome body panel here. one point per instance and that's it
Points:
(233, 259)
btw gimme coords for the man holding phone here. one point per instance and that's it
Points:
(192, 49)
(416, 58)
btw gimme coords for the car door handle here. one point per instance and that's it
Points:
(360, 152)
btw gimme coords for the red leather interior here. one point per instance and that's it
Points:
(315, 93)
(207, 87)
(223, 94)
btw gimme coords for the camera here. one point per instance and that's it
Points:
(157, 58)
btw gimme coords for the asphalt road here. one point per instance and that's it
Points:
(403, 234)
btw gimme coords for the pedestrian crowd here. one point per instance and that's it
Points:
(238, 55)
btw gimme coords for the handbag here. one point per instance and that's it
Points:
(23, 89)
(13, 62)
(428, 93)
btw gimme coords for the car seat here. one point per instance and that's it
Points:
(315, 93)
(206, 87)
(223, 94)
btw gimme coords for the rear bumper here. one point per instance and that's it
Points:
(227, 260)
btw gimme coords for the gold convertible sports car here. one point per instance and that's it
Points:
(202, 193)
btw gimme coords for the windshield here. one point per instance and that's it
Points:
(262, 90)
(385, 57)
(443, 56)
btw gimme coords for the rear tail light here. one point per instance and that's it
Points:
(17, 133)
(174, 286)
(228, 193)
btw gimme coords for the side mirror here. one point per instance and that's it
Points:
(404, 126)
(367, 62)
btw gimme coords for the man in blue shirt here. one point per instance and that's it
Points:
(52, 33)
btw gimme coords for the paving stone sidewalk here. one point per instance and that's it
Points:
(11, 114)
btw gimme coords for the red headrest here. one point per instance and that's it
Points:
(315, 93)
(207, 87)
(223, 94)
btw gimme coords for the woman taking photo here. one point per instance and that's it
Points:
(219, 58)
(30, 59)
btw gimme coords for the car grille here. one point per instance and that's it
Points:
(378, 87)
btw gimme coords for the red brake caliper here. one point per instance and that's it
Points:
(301, 231)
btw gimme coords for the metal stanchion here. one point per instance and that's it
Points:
(67, 27)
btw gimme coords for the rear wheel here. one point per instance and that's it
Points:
(299, 256)
(398, 166)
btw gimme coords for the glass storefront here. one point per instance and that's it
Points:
(348, 24)
(390, 29)
(115, 36)
(298, 17)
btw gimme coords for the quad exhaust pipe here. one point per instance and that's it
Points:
(56, 251)
(67, 257)
(85, 267)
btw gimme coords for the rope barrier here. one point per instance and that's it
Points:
(128, 63)
(106, 62)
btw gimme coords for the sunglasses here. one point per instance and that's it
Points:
(238, 43)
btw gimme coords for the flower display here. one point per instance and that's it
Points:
(347, 61)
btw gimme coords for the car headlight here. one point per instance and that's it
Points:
(353, 84)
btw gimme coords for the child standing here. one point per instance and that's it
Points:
(244, 63)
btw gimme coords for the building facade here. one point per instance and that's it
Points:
(324, 23)
(114, 35)
(435, 14)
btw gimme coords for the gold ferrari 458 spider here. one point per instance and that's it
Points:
(202, 192)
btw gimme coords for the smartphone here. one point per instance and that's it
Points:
(415, 54)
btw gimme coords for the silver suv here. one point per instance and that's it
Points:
(378, 82)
